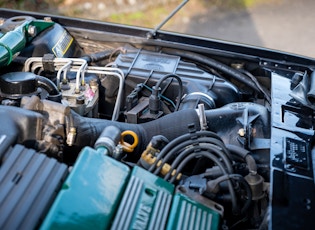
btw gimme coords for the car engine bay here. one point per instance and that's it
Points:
(104, 130)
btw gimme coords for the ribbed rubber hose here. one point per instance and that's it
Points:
(170, 126)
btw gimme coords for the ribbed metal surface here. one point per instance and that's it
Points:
(192, 217)
(128, 204)
(160, 211)
(28, 185)
(144, 205)
(188, 214)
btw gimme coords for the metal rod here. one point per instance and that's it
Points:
(152, 33)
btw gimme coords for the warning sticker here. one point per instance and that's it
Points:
(62, 45)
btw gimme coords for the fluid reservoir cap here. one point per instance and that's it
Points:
(18, 83)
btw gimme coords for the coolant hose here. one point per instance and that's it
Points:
(170, 126)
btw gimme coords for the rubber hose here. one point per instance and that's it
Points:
(225, 117)
(47, 84)
(214, 64)
(245, 154)
(170, 126)
(99, 56)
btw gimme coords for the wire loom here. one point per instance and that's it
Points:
(196, 144)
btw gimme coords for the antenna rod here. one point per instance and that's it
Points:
(152, 33)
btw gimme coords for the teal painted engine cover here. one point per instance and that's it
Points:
(188, 214)
(102, 193)
(146, 202)
(90, 195)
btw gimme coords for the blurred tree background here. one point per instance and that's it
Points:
(147, 13)
(30, 5)
(276, 24)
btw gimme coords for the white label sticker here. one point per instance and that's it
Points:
(62, 45)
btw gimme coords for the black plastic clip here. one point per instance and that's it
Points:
(48, 63)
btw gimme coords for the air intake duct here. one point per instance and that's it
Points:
(170, 126)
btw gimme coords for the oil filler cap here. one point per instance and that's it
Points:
(18, 84)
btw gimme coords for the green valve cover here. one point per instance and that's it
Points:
(146, 202)
(188, 214)
(90, 195)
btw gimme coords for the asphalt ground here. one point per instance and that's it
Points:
(286, 25)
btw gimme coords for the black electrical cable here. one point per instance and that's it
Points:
(180, 84)
(206, 154)
(204, 146)
(214, 64)
(253, 78)
(209, 147)
(179, 140)
(240, 179)
(205, 140)
(248, 190)
(201, 147)
(184, 152)
(176, 146)
(210, 156)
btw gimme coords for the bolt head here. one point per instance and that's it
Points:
(2, 21)
(32, 31)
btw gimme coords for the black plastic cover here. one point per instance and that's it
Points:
(29, 182)
(145, 66)
(18, 83)
(8, 132)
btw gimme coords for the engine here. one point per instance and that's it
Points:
(128, 135)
